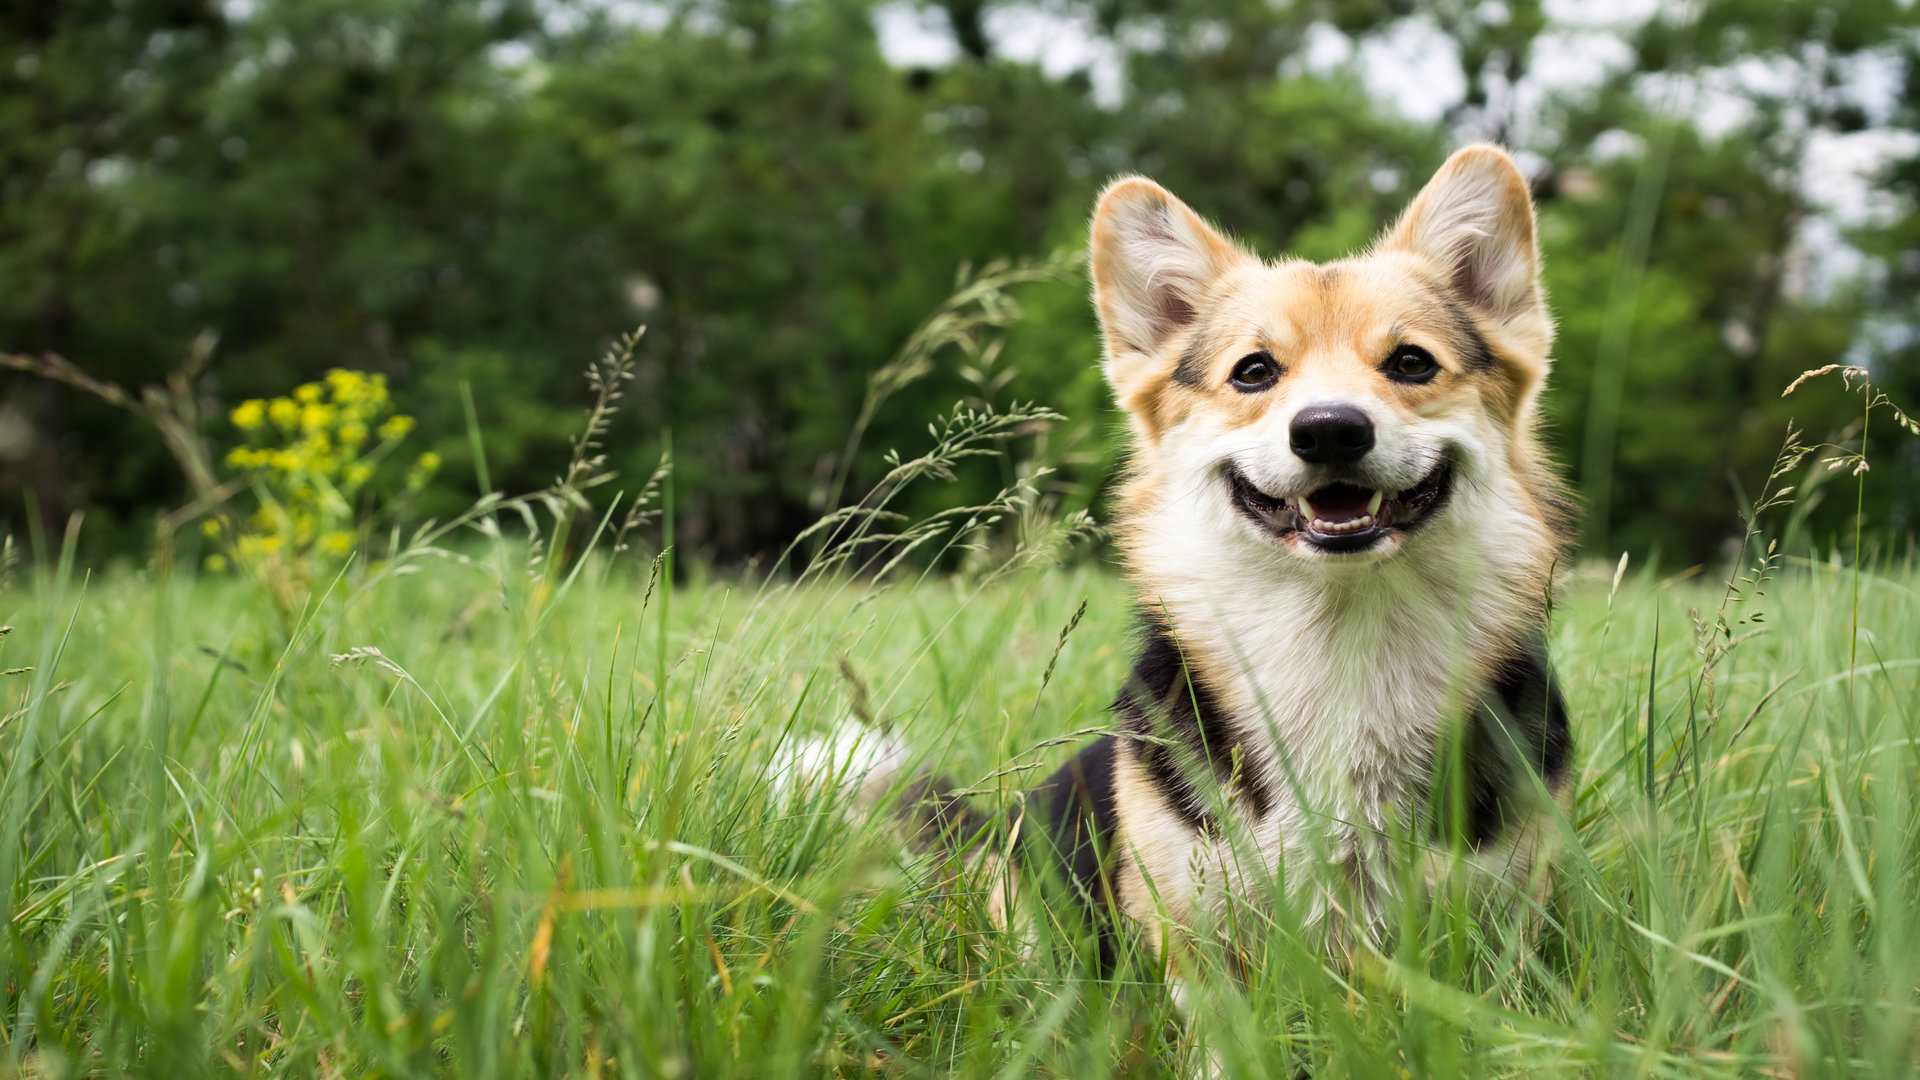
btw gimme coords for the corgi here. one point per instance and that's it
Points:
(1341, 529)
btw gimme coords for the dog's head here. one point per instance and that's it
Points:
(1330, 413)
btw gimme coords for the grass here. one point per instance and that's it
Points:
(477, 825)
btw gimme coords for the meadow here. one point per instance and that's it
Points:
(294, 785)
(495, 817)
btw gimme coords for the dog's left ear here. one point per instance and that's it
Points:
(1474, 220)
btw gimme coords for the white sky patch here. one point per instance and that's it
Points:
(1616, 143)
(912, 36)
(1060, 45)
(1414, 67)
(1602, 14)
(1565, 62)
(510, 54)
(1721, 100)
(560, 18)
(1324, 52)
(1820, 260)
(1840, 173)
(1873, 81)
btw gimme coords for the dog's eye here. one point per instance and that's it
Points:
(1256, 371)
(1411, 363)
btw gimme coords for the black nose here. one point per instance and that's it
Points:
(1331, 434)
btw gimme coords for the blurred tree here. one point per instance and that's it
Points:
(306, 182)
(91, 90)
(1707, 296)
(483, 192)
(1888, 338)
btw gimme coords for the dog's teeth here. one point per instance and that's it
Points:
(1373, 504)
(1359, 524)
(1306, 511)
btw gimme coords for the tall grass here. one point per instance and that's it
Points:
(425, 833)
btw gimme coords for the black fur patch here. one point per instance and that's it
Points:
(1164, 703)
(1192, 368)
(1180, 734)
(1519, 728)
(1208, 338)
(1468, 341)
(1076, 804)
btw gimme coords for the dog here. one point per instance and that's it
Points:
(1342, 530)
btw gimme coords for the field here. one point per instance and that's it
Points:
(478, 822)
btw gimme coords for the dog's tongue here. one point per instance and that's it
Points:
(1337, 503)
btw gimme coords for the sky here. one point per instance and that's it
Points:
(1413, 66)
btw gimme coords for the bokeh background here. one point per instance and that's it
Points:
(486, 192)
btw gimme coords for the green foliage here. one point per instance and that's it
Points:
(475, 194)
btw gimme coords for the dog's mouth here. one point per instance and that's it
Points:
(1342, 517)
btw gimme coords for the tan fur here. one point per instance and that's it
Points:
(1179, 306)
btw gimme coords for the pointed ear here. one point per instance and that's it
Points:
(1153, 261)
(1474, 220)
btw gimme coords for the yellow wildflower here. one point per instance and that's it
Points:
(216, 563)
(422, 470)
(250, 415)
(303, 454)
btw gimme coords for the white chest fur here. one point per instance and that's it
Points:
(1339, 686)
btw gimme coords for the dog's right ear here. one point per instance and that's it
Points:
(1153, 260)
